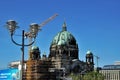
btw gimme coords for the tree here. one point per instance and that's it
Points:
(93, 76)
(75, 76)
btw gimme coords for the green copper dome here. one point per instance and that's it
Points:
(64, 37)
(89, 52)
(35, 49)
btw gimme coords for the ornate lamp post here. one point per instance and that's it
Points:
(34, 28)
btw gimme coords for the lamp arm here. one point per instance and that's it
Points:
(14, 41)
(21, 44)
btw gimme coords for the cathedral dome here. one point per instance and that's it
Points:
(64, 45)
(64, 37)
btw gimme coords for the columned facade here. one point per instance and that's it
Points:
(111, 74)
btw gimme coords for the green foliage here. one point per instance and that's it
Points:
(89, 76)
(75, 76)
(93, 76)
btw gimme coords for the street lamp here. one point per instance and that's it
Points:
(34, 28)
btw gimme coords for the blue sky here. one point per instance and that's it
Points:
(94, 23)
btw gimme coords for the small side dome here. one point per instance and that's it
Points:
(35, 49)
(89, 52)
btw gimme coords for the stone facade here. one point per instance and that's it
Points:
(39, 70)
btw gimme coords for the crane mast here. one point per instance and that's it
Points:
(97, 57)
(29, 35)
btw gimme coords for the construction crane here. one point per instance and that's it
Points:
(96, 60)
(30, 36)
(48, 20)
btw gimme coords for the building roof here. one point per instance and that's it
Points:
(111, 67)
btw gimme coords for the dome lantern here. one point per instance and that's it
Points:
(64, 28)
